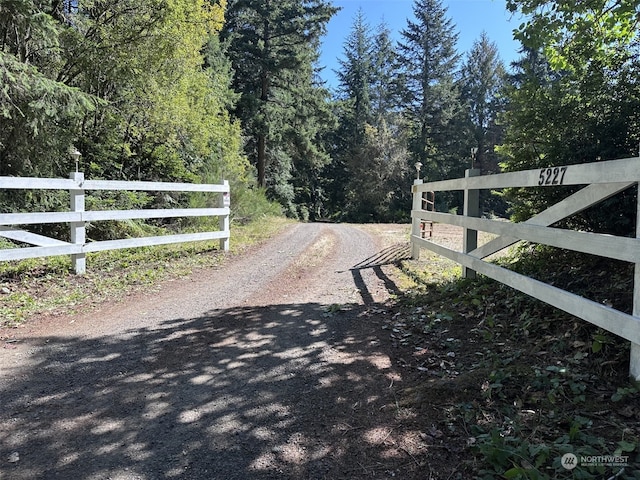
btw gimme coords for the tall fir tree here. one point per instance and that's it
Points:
(482, 80)
(269, 41)
(355, 78)
(431, 100)
(305, 125)
(353, 111)
(371, 147)
(385, 86)
(390, 124)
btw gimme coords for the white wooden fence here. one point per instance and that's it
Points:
(601, 179)
(77, 218)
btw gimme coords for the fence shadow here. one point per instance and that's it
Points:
(389, 256)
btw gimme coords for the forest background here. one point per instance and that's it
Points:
(197, 91)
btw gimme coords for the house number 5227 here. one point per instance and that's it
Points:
(552, 176)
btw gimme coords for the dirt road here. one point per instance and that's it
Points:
(272, 366)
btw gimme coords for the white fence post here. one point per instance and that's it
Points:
(471, 209)
(225, 202)
(78, 232)
(415, 222)
(634, 361)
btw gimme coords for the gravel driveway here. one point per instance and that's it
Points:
(272, 366)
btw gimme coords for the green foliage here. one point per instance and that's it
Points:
(537, 388)
(386, 87)
(573, 33)
(36, 100)
(573, 100)
(623, 393)
(564, 118)
(143, 90)
(483, 79)
(120, 200)
(513, 457)
(377, 174)
(171, 90)
(302, 152)
(38, 112)
(167, 115)
(356, 77)
(251, 204)
(369, 174)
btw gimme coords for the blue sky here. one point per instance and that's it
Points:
(470, 18)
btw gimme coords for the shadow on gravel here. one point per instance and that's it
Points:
(285, 391)
(392, 255)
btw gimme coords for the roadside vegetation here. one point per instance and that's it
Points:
(511, 384)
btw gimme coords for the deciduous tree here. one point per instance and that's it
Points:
(564, 118)
(573, 33)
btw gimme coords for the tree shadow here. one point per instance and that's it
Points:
(283, 391)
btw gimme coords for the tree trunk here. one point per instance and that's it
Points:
(262, 154)
(264, 98)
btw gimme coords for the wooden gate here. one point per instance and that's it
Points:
(601, 180)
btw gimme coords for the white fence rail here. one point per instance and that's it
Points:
(78, 217)
(602, 180)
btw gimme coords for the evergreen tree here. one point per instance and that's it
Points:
(38, 113)
(307, 132)
(371, 143)
(431, 100)
(353, 112)
(268, 42)
(298, 142)
(482, 80)
(356, 77)
(389, 123)
(385, 87)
